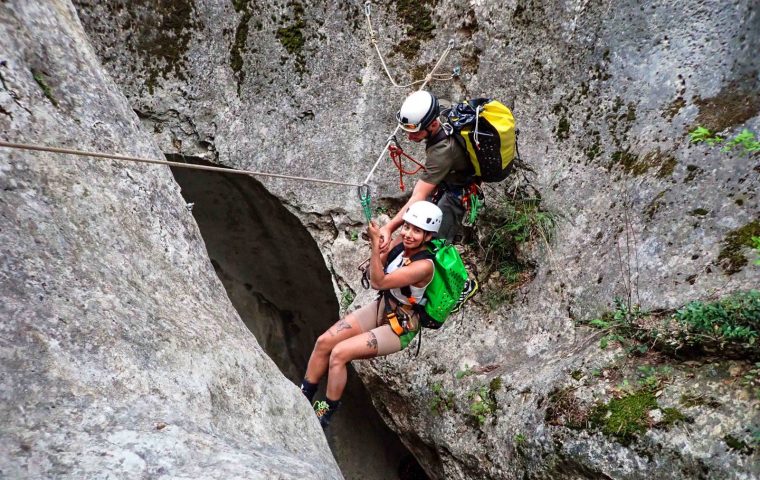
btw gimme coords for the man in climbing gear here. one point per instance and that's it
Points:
(386, 325)
(448, 179)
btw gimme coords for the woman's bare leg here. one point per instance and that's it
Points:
(378, 341)
(320, 356)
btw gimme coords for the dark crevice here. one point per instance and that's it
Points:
(277, 280)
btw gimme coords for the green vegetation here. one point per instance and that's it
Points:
(745, 142)
(730, 325)
(483, 401)
(520, 439)
(652, 378)
(621, 326)
(513, 222)
(464, 373)
(733, 319)
(416, 15)
(563, 129)
(39, 77)
(731, 257)
(442, 400)
(291, 37)
(353, 235)
(347, 296)
(507, 225)
(626, 417)
(756, 248)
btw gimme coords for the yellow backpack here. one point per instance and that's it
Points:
(486, 129)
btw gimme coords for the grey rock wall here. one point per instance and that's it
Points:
(122, 356)
(605, 93)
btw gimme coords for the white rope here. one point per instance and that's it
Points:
(426, 80)
(99, 155)
(382, 154)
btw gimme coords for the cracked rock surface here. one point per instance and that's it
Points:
(604, 93)
(122, 356)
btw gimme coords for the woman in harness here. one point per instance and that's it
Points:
(386, 325)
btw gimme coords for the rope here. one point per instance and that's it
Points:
(396, 153)
(428, 78)
(99, 155)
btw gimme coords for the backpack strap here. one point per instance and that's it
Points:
(440, 135)
(425, 254)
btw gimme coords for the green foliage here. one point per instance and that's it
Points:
(353, 235)
(442, 400)
(620, 325)
(732, 319)
(756, 248)
(521, 221)
(745, 141)
(651, 378)
(731, 257)
(346, 297)
(520, 439)
(39, 77)
(483, 401)
(626, 417)
(464, 373)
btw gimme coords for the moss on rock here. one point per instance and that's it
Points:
(624, 418)
(731, 257)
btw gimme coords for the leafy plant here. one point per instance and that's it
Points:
(483, 401)
(620, 325)
(464, 373)
(520, 439)
(353, 235)
(346, 298)
(651, 378)
(745, 141)
(442, 400)
(756, 248)
(734, 318)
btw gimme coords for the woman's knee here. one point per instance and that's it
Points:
(340, 355)
(325, 343)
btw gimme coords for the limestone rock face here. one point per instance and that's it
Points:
(604, 93)
(122, 356)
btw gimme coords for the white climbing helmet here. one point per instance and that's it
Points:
(418, 111)
(424, 215)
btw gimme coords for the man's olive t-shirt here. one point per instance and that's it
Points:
(447, 161)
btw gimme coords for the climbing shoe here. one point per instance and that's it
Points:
(470, 288)
(325, 410)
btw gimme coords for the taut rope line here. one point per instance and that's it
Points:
(99, 155)
(373, 40)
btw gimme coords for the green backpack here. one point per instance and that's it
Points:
(443, 292)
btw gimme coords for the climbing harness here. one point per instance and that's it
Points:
(431, 76)
(397, 154)
(99, 155)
